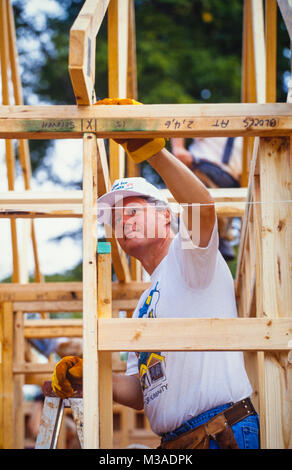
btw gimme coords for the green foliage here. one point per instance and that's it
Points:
(187, 51)
(181, 52)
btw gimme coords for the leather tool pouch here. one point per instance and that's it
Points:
(221, 432)
(217, 428)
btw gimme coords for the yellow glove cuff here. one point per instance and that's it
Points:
(146, 150)
(137, 149)
(112, 101)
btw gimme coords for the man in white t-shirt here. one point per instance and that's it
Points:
(192, 399)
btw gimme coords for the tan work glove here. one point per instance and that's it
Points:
(67, 374)
(138, 149)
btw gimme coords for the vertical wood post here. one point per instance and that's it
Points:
(117, 72)
(6, 376)
(104, 308)
(90, 356)
(276, 188)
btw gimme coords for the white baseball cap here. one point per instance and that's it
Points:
(123, 188)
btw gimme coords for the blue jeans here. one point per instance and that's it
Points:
(246, 431)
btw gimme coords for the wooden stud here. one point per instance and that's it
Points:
(117, 73)
(119, 259)
(271, 10)
(18, 381)
(9, 149)
(259, 49)
(82, 50)
(248, 93)
(24, 156)
(133, 170)
(6, 376)
(104, 297)
(90, 357)
(276, 296)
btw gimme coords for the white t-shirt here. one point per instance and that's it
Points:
(212, 149)
(188, 283)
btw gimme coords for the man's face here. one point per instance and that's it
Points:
(138, 224)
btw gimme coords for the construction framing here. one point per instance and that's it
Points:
(263, 279)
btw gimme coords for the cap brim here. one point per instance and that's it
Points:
(108, 200)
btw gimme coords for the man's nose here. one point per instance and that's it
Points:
(129, 220)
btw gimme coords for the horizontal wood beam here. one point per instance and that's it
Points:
(171, 120)
(65, 291)
(71, 328)
(48, 367)
(67, 305)
(68, 204)
(175, 334)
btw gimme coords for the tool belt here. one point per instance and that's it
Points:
(218, 428)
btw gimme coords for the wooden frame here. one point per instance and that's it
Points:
(230, 202)
(262, 281)
(175, 120)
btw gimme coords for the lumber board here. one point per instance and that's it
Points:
(17, 211)
(276, 295)
(276, 225)
(175, 334)
(271, 10)
(6, 376)
(23, 148)
(9, 148)
(82, 49)
(247, 214)
(47, 368)
(248, 94)
(119, 259)
(104, 309)
(169, 120)
(117, 72)
(35, 204)
(18, 380)
(89, 277)
(66, 291)
(259, 49)
(195, 334)
(71, 328)
(68, 305)
(68, 204)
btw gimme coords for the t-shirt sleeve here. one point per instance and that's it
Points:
(132, 364)
(197, 264)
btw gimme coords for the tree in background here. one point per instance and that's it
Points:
(188, 51)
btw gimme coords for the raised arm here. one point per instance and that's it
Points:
(183, 184)
(186, 189)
